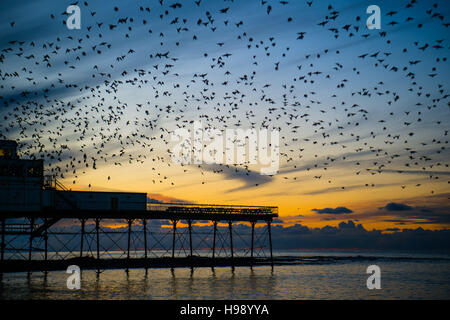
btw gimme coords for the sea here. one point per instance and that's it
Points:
(299, 275)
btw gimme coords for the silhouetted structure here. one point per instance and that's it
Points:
(31, 205)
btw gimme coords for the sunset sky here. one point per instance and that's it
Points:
(363, 114)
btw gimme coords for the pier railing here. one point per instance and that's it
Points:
(193, 208)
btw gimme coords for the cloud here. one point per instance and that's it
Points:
(351, 235)
(337, 210)
(419, 172)
(249, 177)
(349, 225)
(151, 200)
(435, 212)
(393, 206)
(332, 189)
(160, 198)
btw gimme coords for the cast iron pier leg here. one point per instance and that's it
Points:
(82, 237)
(270, 242)
(253, 237)
(3, 239)
(190, 235)
(30, 249)
(129, 239)
(144, 222)
(230, 226)
(173, 238)
(97, 230)
(214, 241)
(45, 241)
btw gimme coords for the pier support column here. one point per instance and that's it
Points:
(45, 240)
(30, 248)
(270, 242)
(190, 236)
(174, 222)
(230, 226)
(144, 223)
(214, 241)
(253, 238)
(3, 239)
(83, 222)
(129, 238)
(97, 230)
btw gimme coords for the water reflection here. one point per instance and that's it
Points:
(327, 281)
(173, 283)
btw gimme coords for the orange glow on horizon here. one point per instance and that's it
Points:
(294, 200)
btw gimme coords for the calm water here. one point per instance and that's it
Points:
(420, 276)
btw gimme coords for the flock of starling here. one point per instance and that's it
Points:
(342, 96)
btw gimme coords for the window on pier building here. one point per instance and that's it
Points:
(6, 153)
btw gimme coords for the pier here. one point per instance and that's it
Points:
(46, 226)
(175, 247)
